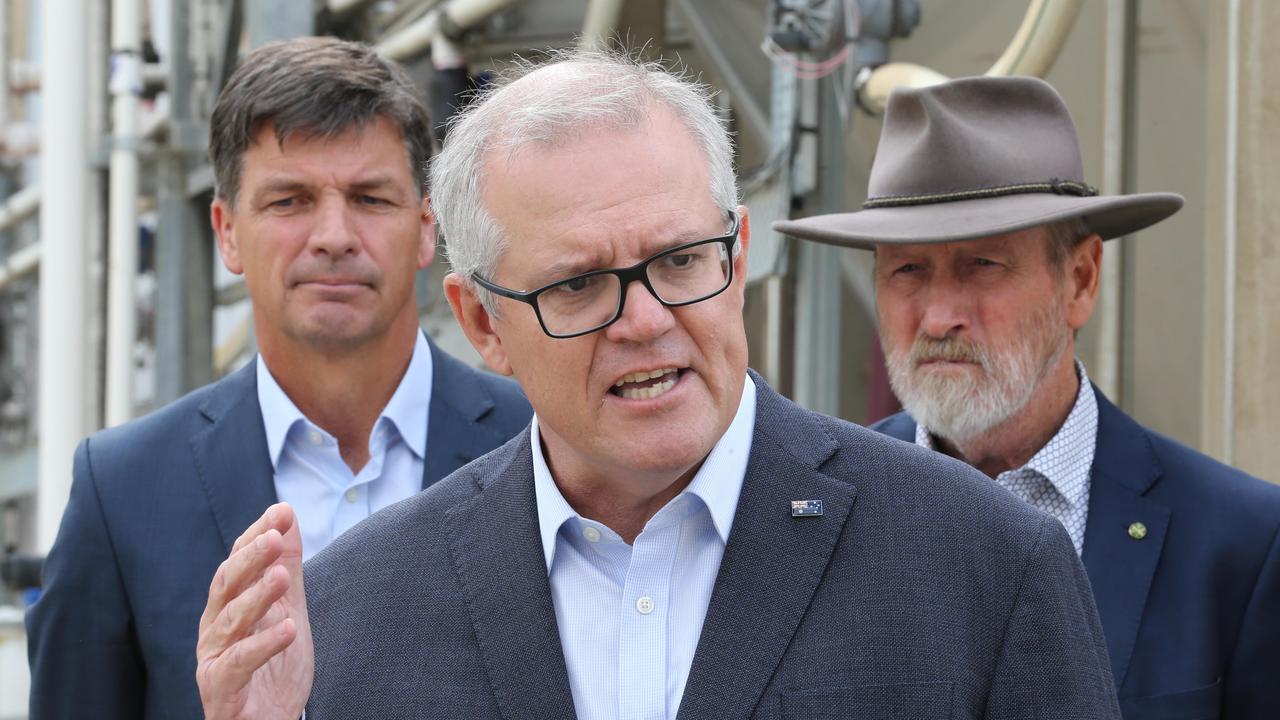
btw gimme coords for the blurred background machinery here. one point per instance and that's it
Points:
(113, 302)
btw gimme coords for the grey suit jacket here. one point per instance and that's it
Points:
(923, 591)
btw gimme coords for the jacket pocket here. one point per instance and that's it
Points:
(1200, 704)
(918, 701)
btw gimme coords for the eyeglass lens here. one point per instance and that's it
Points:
(681, 276)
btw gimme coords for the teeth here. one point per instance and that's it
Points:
(643, 375)
(646, 393)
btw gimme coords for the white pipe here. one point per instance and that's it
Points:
(416, 37)
(64, 165)
(1106, 370)
(1039, 38)
(122, 226)
(340, 8)
(23, 261)
(1229, 235)
(19, 206)
(600, 24)
(1034, 47)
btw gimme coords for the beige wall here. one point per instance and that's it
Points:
(1240, 390)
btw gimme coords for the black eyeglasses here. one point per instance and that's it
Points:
(683, 275)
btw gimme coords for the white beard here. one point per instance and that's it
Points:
(961, 406)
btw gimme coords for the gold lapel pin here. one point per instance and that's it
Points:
(1137, 530)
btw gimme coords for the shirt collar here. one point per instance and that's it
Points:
(406, 410)
(1067, 458)
(718, 483)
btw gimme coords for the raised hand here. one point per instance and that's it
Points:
(254, 657)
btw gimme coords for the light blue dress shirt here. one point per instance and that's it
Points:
(310, 474)
(630, 615)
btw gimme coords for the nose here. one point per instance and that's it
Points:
(643, 317)
(333, 234)
(947, 310)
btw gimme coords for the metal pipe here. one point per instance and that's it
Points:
(1229, 233)
(1034, 48)
(19, 206)
(1116, 79)
(600, 24)
(20, 263)
(64, 165)
(122, 238)
(414, 39)
(1039, 39)
(341, 8)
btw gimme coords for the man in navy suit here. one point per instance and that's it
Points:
(671, 537)
(988, 249)
(318, 147)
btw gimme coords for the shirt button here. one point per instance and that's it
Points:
(591, 534)
(315, 437)
(352, 495)
(644, 605)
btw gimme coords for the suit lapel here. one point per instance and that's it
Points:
(1120, 567)
(231, 455)
(497, 555)
(773, 561)
(455, 433)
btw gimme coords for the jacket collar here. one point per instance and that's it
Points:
(231, 455)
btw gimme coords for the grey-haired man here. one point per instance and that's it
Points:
(671, 537)
(988, 250)
(318, 148)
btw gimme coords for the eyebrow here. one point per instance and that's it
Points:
(277, 186)
(566, 269)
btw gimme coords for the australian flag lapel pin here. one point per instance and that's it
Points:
(806, 508)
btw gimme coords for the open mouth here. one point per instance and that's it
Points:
(646, 384)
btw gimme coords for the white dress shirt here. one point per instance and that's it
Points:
(310, 474)
(1056, 478)
(629, 616)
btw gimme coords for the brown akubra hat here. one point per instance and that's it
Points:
(976, 157)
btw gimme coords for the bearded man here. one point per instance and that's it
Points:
(988, 250)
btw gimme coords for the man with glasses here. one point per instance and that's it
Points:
(670, 535)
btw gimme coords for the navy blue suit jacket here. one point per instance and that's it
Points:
(1191, 612)
(922, 591)
(155, 507)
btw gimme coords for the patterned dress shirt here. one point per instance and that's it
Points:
(1056, 479)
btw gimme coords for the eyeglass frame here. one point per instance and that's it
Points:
(626, 276)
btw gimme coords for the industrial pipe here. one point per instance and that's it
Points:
(601, 22)
(1034, 48)
(64, 164)
(457, 15)
(122, 226)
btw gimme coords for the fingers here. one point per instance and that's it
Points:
(278, 517)
(245, 567)
(228, 675)
(243, 613)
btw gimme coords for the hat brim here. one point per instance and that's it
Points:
(1109, 216)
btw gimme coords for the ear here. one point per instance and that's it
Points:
(1084, 270)
(476, 323)
(426, 234)
(740, 262)
(222, 217)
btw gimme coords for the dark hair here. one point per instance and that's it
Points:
(318, 87)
